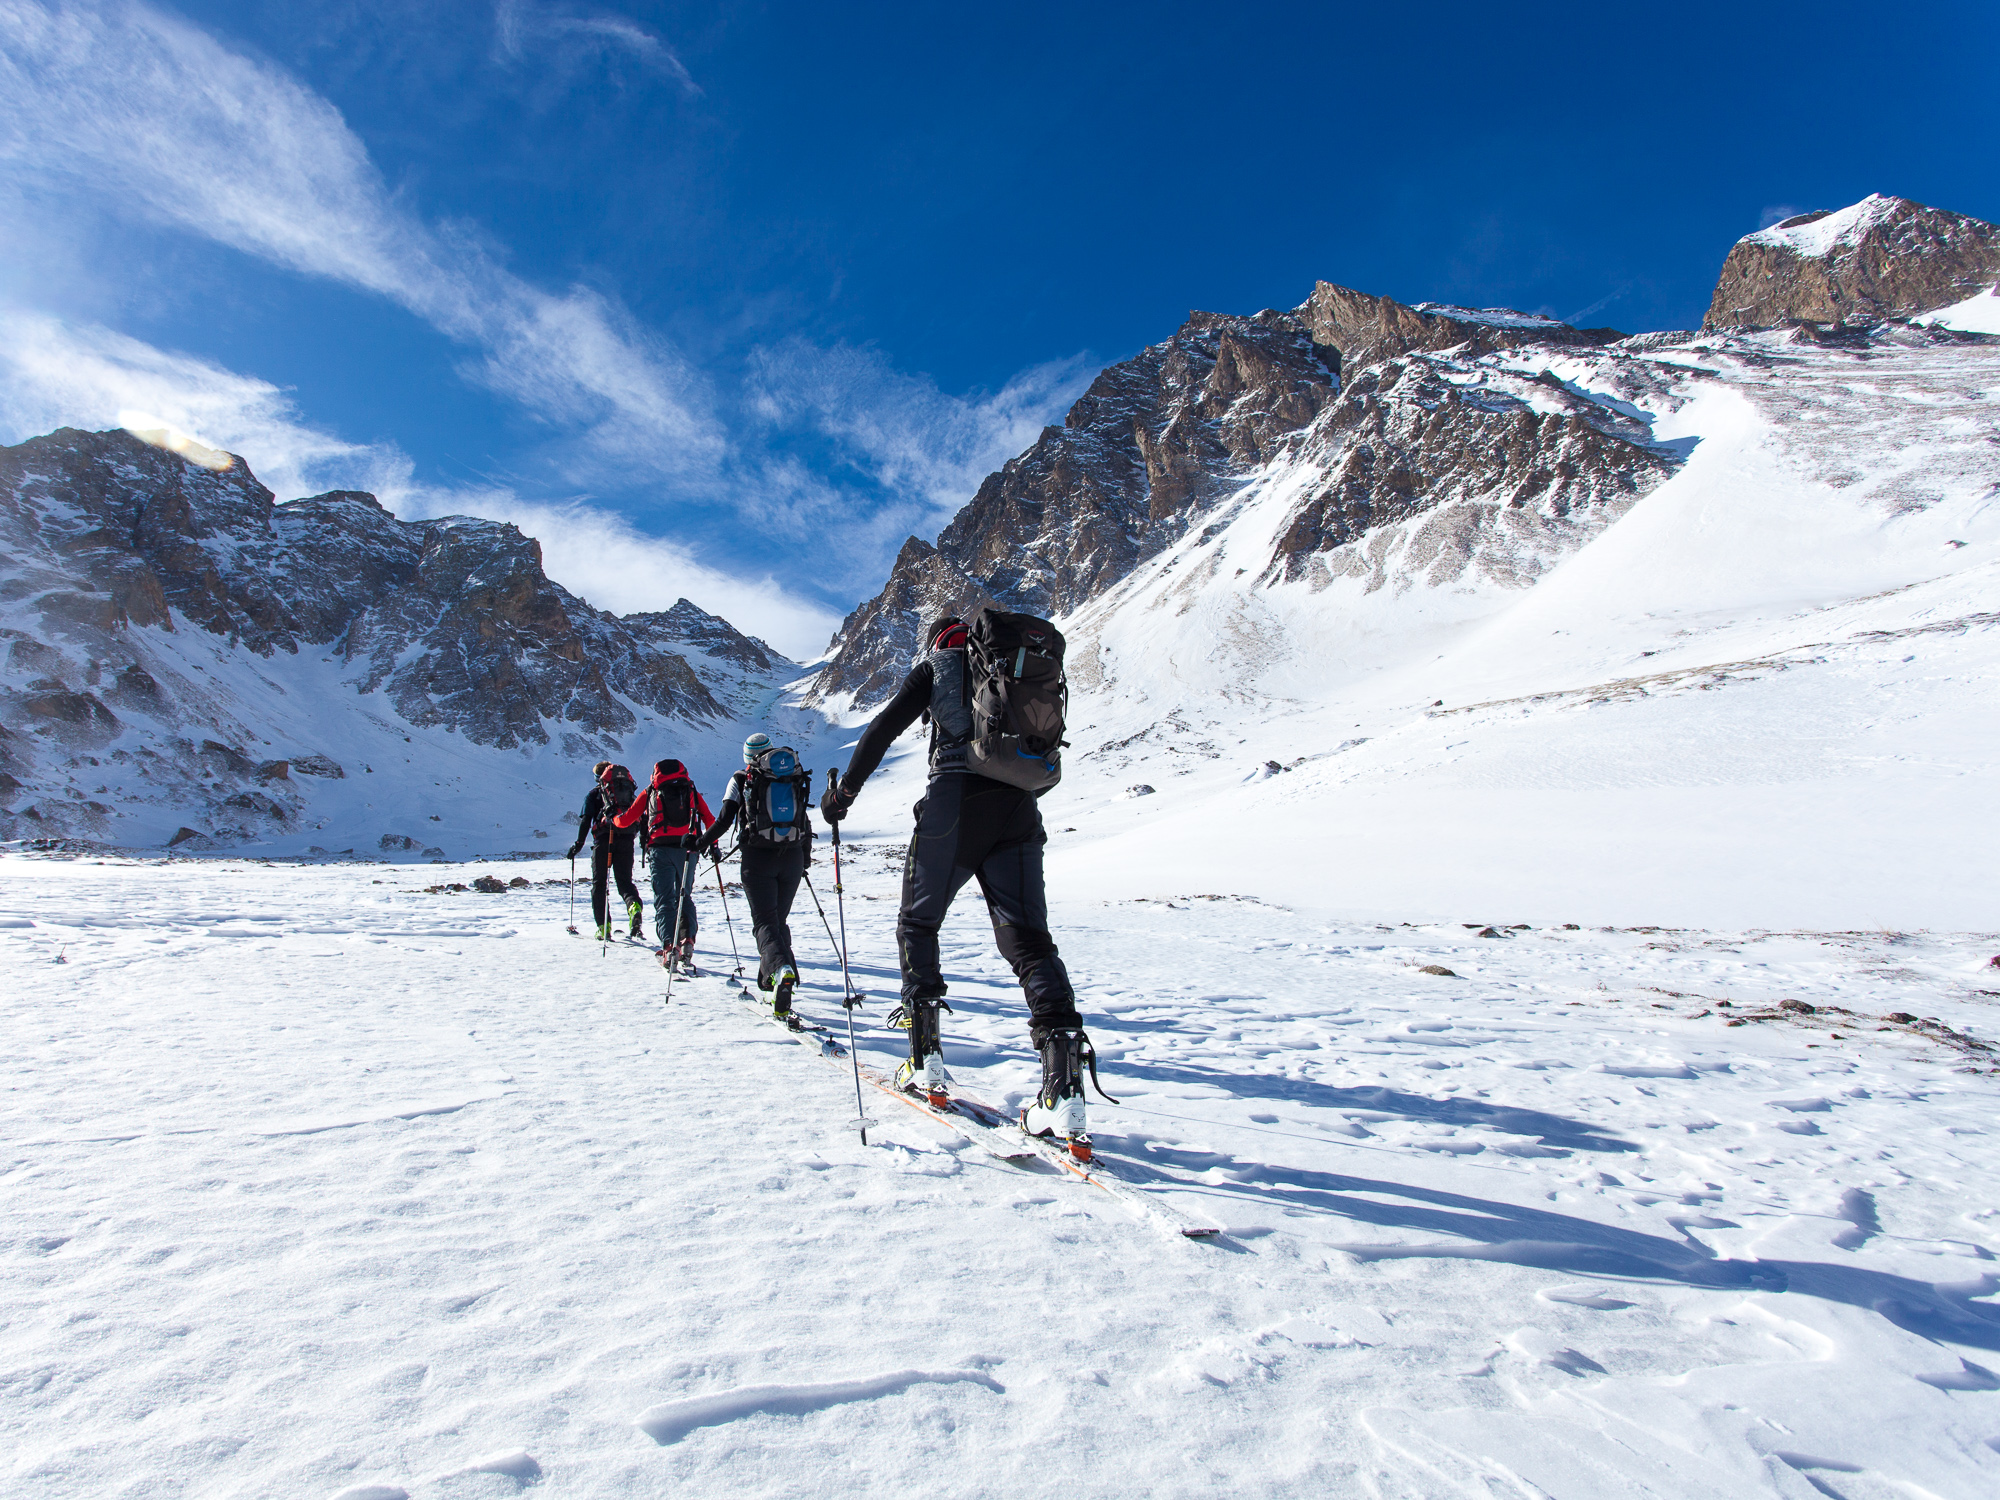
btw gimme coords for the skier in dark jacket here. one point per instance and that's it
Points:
(670, 815)
(610, 848)
(969, 826)
(770, 795)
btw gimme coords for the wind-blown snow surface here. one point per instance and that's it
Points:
(1980, 314)
(317, 1185)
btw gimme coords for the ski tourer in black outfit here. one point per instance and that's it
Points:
(775, 850)
(968, 827)
(610, 848)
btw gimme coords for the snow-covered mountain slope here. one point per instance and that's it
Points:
(318, 1185)
(1767, 691)
(187, 659)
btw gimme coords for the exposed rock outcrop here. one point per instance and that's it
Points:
(1480, 450)
(1880, 258)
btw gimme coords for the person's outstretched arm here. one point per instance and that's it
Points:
(899, 714)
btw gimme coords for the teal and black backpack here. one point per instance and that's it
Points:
(777, 790)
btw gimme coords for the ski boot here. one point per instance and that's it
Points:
(781, 1002)
(604, 932)
(634, 911)
(1057, 1110)
(686, 958)
(924, 1072)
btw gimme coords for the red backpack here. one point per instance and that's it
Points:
(669, 803)
(616, 790)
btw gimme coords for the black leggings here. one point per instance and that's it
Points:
(605, 859)
(771, 876)
(968, 826)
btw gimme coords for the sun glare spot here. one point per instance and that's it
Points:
(150, 429)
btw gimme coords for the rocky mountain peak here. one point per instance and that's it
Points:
(1160, 439)
(1366, 329)
(111, 546)
(1881, 258)
(693, 629)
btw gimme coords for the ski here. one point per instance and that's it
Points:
(994, 1130)
(1002, 1135)
(1097, 1171)
(806, 1033)
(957, 1115)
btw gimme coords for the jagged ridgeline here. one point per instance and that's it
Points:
(1427, 446)
(1374, 392)
(182, 652)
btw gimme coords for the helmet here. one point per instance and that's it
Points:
(755, 746)
(946, 633)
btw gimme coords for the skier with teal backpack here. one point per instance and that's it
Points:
(769, 799)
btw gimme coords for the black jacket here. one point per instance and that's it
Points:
(901, 711)
(594, 822)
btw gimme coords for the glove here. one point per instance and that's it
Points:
(833, 805)
(573, 848)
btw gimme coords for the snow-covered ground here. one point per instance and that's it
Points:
(317, 1184)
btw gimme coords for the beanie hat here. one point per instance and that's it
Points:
(755, 746)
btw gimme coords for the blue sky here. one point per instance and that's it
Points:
(726, 300)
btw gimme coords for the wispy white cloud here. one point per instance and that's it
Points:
(924, 446)
(54, 375)
(154, 116)
(523, 29)
(135, 112)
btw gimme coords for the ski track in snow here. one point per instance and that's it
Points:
(318, 1185)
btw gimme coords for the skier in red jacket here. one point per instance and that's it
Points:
(672, 815)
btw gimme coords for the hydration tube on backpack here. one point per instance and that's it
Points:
(777, 790)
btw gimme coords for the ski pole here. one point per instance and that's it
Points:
(729, 922)
(680, 911)
(822, 916)
(849, 1000)
(572, 895)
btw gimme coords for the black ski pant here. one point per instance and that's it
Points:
(673, 891)
(969, 826)
(771, 876)
(606, 860)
